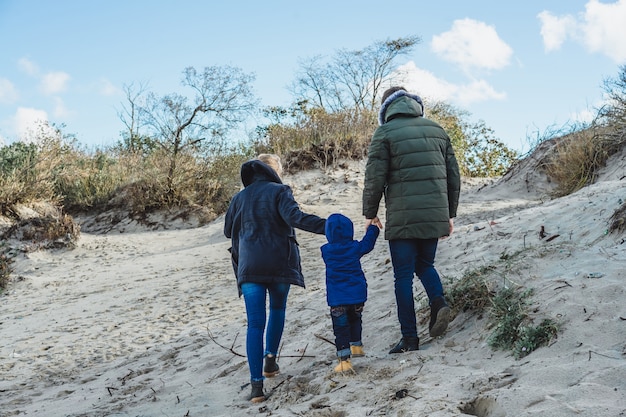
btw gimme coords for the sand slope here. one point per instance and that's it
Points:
(148, 323)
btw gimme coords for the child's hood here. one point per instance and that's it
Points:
(339, 228)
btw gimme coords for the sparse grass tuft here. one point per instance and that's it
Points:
(530, 338)
(577, 157)
(507, 309)
(472, 292)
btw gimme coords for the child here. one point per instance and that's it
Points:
(346, 287)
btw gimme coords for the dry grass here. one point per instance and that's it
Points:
(319, 139)
(576, 158)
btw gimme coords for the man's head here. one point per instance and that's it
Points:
(389, 92)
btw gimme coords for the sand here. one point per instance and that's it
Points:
(137, 322)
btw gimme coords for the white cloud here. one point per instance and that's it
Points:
(604, 29)
(31, 124)
(427, 85)
(28, 66)
(554, 29)
(472, 45)
(8, 92)
(60, 110)
(107, 88)
(600, 28)
(54, 82)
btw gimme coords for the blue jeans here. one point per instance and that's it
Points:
(347, 327)
(413, 256)
(254, 295)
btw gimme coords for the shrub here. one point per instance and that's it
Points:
(575, 160)
(307, 137)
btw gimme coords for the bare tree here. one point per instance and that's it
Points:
(613, 113)
(351, 79)
(129, 114)
(222, 97)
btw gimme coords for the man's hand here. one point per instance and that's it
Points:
(450, 228)
(375, 221)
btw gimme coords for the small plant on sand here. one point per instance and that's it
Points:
(507, 308)
(509, 311)
(530, 338)
(472, 292)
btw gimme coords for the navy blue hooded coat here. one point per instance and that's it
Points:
(260, 222)
(345, 280)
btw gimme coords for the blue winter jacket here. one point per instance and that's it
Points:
(260, 222)
(345, 280)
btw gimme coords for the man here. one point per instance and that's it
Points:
(411, 162)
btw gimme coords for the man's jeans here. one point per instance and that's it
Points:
(254, 295)
(410, 256)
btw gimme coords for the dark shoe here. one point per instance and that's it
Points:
(406, 344)
(271, 367)
(439, 317)
(257, 395)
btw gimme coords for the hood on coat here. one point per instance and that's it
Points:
(410, 105)
(256, 170)
(339, 229)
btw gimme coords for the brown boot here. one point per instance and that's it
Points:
(344, 366)
(356, 351)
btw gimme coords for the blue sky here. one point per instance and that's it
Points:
(524, 68)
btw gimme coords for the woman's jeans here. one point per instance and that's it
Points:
(410, 256)
(347, 327)
(254, 295)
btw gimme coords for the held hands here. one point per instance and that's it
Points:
(375, 221)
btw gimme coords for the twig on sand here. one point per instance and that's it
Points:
(303, 352)
(324, 339)
(109, 389)
(599, 354)
(278, 385)
(231, 349)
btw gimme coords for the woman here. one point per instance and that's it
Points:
(260, 222)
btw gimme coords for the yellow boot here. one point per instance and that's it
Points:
(344, 366)
(357, 351)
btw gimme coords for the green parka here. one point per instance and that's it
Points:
(411, 162)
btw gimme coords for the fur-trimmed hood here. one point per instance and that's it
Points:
(410, 106)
